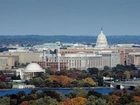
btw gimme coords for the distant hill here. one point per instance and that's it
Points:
(39, 39)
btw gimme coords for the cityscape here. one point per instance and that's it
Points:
(55, 54)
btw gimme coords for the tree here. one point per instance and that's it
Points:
(136, 92)
(44, 101)
(136, 98)
(96, 94)
(134, 103)
(38, 81)
(63, 80)
(33, 102)
(100, 101)
(89, 81)
(91, 100)
(25, 103)
(54, 95)
(113, 99)
(5, 101)
(93, 71)
(100, 81)
(125, 99)
(50, 101)
(107, 68)
(107, 73)
(120, 67)
(127, 75)
(75, 101)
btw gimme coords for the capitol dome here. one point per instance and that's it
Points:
(33, 67)
(101, 41)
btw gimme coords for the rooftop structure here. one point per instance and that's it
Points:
(33, 67)
(101, 41)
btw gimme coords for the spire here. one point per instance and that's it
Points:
(101, 30)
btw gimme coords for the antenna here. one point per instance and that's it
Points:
(101, 28)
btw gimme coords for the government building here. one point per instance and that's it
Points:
(82, 57)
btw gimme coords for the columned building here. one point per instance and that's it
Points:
(101, 41)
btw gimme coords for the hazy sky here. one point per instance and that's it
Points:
(69, 17)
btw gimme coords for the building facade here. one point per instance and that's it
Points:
(8, 61)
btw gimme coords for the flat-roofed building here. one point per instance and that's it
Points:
(8, 61)
(28, 57)
(82, 61)
(134, 58)
(109, 58)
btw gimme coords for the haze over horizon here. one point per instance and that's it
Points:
(69, 17)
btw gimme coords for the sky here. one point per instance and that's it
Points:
(69, 17)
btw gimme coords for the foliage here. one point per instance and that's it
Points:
(77, 92)
(54, 95)
(107, 68)
(63, 80)
(100, 101)
(46, 101)
(113, 99)
(127, 74)
(88, 81)
(25, 103)
(93, 71)
(125, 99)
(136, 98)
(5, 85)
(37, 81)
(75, 101)
(91, 100)
(5, 101)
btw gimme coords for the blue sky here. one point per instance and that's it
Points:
(69, 17)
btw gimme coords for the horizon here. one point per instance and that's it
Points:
(70, 35)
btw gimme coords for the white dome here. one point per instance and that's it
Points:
(33, 67)
(101, 41)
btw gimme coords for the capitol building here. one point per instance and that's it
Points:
(101, 41)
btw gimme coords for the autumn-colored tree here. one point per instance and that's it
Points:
(33, 96)
(25, 103)
(113, 99)
(89, 81)
(32, 102)
(127, 75)
(133, 103)
(75, 101)
(136, 98)
(64, 80)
